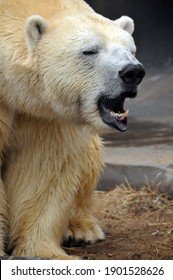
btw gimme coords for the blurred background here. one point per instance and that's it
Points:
(144, 154)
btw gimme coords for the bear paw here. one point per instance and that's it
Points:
(82, 230)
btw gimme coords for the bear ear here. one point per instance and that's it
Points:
(35, 27)
(126, 23)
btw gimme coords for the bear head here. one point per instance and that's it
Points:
(86, 66)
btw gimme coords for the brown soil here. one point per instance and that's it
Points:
(137, 224)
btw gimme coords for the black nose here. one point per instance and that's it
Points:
(132, 74)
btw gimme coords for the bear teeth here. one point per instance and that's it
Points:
(119, 115)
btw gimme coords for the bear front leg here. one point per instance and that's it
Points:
(41, 188)
(83, 226)
(37, 223)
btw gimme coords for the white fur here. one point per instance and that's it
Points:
(126, 23)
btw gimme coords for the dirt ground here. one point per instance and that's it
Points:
(137, 224)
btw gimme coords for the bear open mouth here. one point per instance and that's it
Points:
(112, 110)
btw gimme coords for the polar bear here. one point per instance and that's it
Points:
(65, 72)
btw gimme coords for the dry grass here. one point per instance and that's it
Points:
(126, 198)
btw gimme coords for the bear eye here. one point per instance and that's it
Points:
(90, 52)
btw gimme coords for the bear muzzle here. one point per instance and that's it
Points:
(111, 107)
